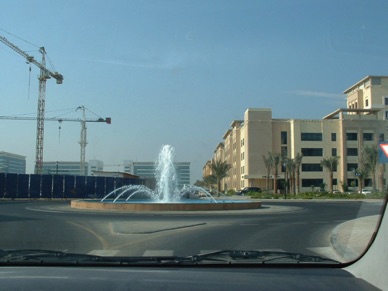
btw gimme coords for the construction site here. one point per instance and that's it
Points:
(40, 118)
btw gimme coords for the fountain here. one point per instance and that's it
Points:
(166, 196)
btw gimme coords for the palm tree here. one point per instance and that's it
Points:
(291, 168)
(331, 165)
(366, 164)
(298, 161)
(219, 171)
(371, 157)
(275, 160)
(268, 166)
(208, 181)
(362, 172)
(289, 175)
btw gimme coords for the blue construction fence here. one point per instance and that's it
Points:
(32, 186)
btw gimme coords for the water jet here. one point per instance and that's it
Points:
(166, 196)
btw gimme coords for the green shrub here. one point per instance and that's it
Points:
(230, 192)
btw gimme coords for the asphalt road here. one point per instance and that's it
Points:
(297, 226)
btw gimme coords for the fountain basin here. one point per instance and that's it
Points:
(144, 206)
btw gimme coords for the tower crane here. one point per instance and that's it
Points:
(44, 75)
(83, 121)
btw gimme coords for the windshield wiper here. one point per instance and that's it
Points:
(217, 257)
(262, 257)
(39, 256)
(45, 256)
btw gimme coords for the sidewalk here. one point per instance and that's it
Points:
(351, 238)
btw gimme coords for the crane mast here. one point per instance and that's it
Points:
(40, 120)
(44, 75)
(83, 121)
(83, 142)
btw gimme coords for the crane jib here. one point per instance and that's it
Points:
(45, 74)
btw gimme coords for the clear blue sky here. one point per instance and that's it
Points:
(178, 72)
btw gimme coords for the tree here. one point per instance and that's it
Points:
(275, 160)
(298, 161)
(290, 174)
(371, 157)
(361, 173)
(364, 168)
(219, 171)
(206, 181)
(268, 165)
(331, 165)
(292, 167)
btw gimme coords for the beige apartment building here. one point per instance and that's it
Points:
(343, 133)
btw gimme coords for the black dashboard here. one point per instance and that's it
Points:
(177, 278)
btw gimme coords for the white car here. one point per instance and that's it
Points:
(365, 191)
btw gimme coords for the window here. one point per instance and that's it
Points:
(312, 152)
(312, 183)
(311, 136)
(366, 103)
(333, 136)
(283, 137)
(284, 151)
(352, 182)
(351, 136)
(311, 168)
(385, 100)
(352, 151)
(376, 81)
(367, 136)
(351, 166)
(368, 182)
(334, 152)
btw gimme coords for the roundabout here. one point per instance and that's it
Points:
(166, 196)
(142, 206)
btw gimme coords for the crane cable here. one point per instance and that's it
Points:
(59, 131)
(30, 43)
(29, 83)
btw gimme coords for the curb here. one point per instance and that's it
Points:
(350, 239)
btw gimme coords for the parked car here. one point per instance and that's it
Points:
(365, 191)
(248, 189)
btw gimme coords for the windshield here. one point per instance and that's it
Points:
(192, 132)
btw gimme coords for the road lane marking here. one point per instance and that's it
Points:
(131, 228)
(104, 243)
(148, 237)
(43, 210)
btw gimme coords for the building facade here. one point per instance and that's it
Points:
(62, 168)
(12, 163)
(147, 170)
(95, 166)
(71, 168)
(343, 133)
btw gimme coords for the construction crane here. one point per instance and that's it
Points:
(44, 75)
(83, 121)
